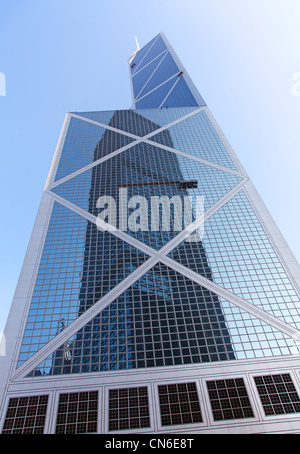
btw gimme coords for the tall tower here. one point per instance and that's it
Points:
(141, 324)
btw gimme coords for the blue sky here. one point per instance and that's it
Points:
(71, 55)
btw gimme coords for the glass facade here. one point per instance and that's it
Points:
(179, 404)
(155, 291)
(278, 394)
(26, 415)
(128, 409)
(164, 319)
(243, 260)
(77, 413)
(81, 264)
(229, 399)
(159, 80)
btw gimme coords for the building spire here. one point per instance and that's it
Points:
(136, 51)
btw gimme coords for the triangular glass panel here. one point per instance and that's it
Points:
(103, 117)
(130, 121)
(237, 254)
(181, 95)
(165, 70)
(164, 319)
(155, 98)
(142, 76)
(197, 136)
(140, 121)
(135, 62)
(252, 337)
(86, 143)
(158, 47)
(162, 117)
(168, 186)
(79, 265)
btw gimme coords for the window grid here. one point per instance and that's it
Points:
(165, 69)
(141, 77)
(197, 136)
(147, 53)
(278, 394)
(179, 404)
(163, 319)
(26, 415)
(132, 121)
(163, 117)
(229, 399)
(252, 338)
(128, 408)
(77, 413)
(146, 170)
(135, 121)
(85, 143)
(158, 47)
(243, 260)
(79, 265)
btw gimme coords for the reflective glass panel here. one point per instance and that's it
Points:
(278, 394)
(126, 120)
(197, 136)
(229, 399)
(165, 69)
(140, 79)
(156, 97)
(253, 338)
(26, 415)
(179, 404)
(242, 259)
(162, 117)
(181, 95)
(156, 49)
(79, 265)
(157, 176)
(128, 408)
(163, 319)
(140, 55)
(166, 319)
(85, 143)
(77, 413)
(140, 121)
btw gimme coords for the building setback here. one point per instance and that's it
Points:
(167, 320)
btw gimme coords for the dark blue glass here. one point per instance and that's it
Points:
(136, 61)
(85, 143)
(141, 77)
(184, 93)
(158, 47)
(197, 136)
(166, 69)
(163, 319)
(79, 265)
(180, 96)
(147, 170)
(156, 97)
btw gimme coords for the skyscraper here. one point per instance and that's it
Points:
(144, 324)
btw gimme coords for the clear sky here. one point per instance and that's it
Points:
(71, 55)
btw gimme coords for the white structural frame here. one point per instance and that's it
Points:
(14, 381)
(154, 255)
(17, 379)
